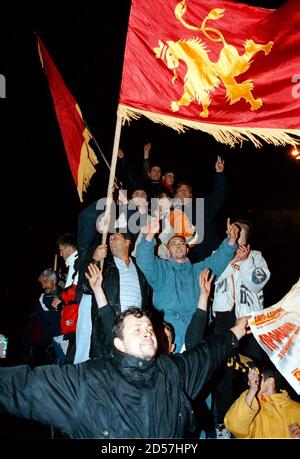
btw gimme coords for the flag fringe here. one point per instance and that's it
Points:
(86, 169)
(230, 135)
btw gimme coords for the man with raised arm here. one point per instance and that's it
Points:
(175, 281)
(132, 394)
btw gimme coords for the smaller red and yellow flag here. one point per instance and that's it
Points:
(76, 136)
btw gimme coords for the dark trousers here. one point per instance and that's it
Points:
(224, 378)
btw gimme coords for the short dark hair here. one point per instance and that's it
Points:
(140, 188)
(177, 235)
(185, 184)
(268, 372)
(118, 327)
(127, 236)
(171, 329)
(67, 239)
(154, 165)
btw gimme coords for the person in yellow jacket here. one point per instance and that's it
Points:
(264, 411)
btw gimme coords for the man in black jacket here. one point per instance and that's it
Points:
(133, 394)
(48, 316)
(165, 331)
(124, 285)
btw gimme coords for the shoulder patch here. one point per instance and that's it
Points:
(258, 276)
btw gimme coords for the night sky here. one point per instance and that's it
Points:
(39, 198)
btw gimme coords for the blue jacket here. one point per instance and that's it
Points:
(176, 286)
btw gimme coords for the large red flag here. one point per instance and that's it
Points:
(223, 67)
(76, 136)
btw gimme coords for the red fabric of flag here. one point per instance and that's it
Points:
(76, 136)
(220, 66)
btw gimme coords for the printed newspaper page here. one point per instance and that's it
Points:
(277, 330)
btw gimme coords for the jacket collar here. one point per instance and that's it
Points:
(133, 368)
(281, 398)
(71, 258)
(179, 266)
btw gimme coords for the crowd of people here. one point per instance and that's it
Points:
(142, 330)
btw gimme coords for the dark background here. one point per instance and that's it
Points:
(39, 198)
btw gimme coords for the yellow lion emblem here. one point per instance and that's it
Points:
(203, 76)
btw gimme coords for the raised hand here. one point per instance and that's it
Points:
(294, 430)
(254, 384)
(241, 254)
(241, 328)
(94, 277)
(253, 380)
(147, 149)
(205, 281)
(219, 166)
(232, 232)
(151, 228)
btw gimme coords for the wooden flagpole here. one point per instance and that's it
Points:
(55, 262)
(111, 180)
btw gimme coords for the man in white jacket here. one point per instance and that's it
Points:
(238, 292)
(240, 285)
